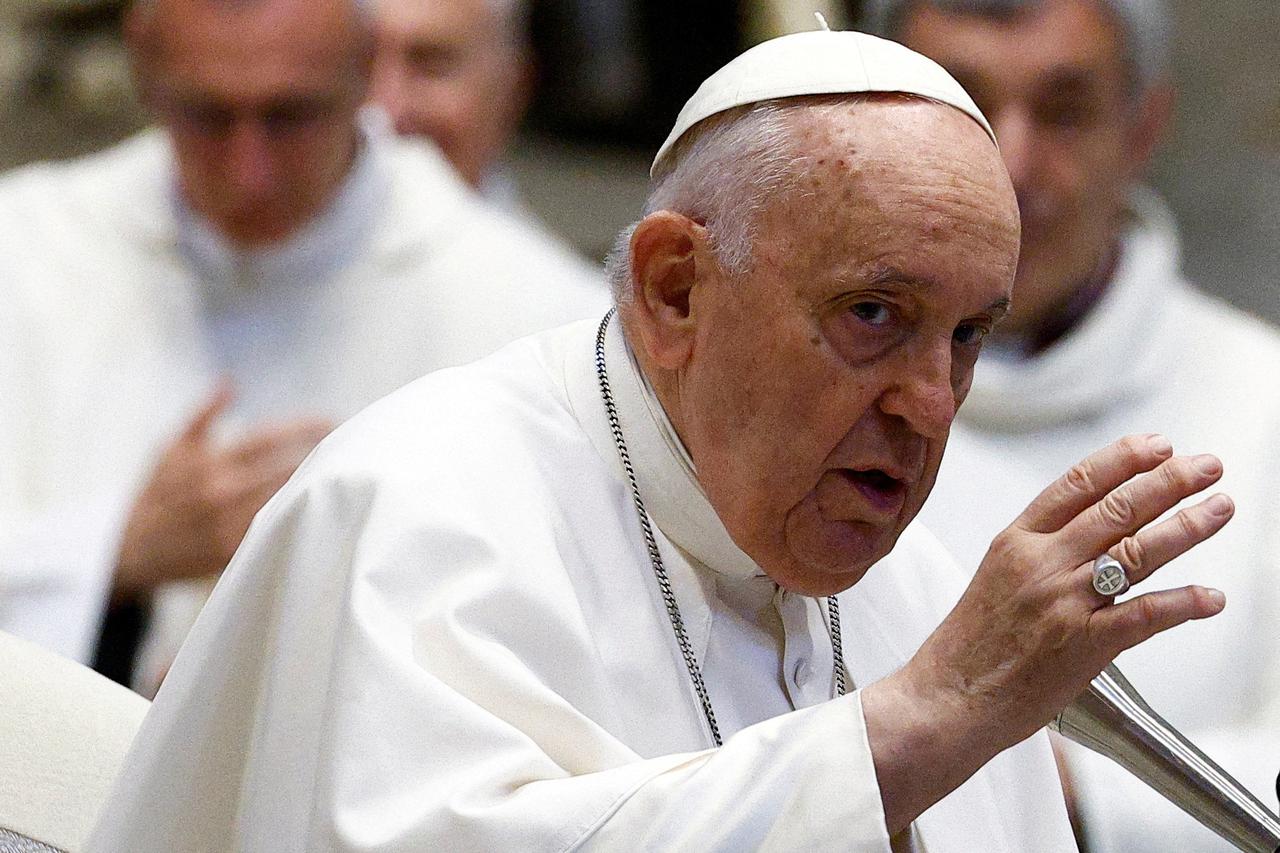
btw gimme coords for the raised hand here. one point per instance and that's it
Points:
(1030, 631)
(197, 505)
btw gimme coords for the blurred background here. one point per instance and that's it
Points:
(613, 73)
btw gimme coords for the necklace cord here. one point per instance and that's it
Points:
(659, 568)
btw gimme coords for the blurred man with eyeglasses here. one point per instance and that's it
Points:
(188, 313)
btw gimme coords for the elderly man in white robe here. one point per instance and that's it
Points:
(186, 314)
(628, 584)
(1108, 337)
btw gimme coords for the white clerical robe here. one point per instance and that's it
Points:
(1152, 356)
(118, 319)
(445, 634)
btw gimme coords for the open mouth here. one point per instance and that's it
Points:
(882, 491)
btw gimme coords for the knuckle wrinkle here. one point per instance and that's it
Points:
(1132, 554)
(1079, 478)
(1189, 525)
(1117, 509)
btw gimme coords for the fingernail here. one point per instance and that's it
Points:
(1159, 444)
(1219, 505)
(1207, 463)
(1217, 597)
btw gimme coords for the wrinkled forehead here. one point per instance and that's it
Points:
(882, 167)
(892, 143)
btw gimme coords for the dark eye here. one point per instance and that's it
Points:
(969, 334)
(1065, 114)
(866, 325)
(871, 313)
(290, 116)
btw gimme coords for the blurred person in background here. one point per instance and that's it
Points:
(458, 72)
(1107, 337)
(186, 314)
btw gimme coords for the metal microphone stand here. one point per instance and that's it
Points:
(1111, 718)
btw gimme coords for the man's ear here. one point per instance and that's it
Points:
(668, 259)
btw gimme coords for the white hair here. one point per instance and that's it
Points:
(722, 173)
(1145, 27)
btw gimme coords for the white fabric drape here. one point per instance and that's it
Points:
(444, 633)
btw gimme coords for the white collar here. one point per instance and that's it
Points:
(664, 472)
(673, 498)
(322, 248)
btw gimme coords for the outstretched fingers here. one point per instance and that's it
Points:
(1124, 625)
(1091, 479)
(1148, 550)
(1125, 510)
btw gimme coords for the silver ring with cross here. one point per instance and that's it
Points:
(1109, 577)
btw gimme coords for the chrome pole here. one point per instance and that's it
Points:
(1112, 719)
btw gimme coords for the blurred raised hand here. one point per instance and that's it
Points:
(197, 504)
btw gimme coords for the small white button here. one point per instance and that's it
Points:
(803, 673)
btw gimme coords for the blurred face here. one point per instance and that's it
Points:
(260, 100)
(819, 389)
(451, 70)
(1054, 85)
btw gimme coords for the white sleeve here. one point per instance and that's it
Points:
(304, 713)
(56, 565)
(802, 781)
(56, 573)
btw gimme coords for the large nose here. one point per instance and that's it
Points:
(922, 392)
(251, 164)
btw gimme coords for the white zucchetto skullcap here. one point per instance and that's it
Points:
(822, 62)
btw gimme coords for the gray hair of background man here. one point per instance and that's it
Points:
(1144, 24)
(722, 173)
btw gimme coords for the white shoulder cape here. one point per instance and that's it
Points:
(444, 634)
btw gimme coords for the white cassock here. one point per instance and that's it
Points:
(1152, 356)
(445, 634)
(120, 312)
